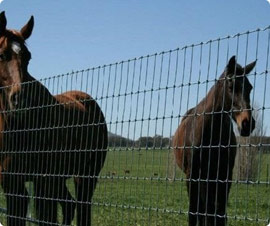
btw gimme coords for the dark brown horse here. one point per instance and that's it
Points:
(46, 139)
(205, 144)
(61, 192)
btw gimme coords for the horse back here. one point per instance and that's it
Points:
(73, 99)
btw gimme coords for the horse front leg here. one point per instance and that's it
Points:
(45, 204)
(193, 189)
(222, 200)
(222, 195)
(193, 201)
(16, 199)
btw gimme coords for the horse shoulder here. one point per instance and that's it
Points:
(182, 143)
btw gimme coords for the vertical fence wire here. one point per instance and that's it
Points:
(144, 100)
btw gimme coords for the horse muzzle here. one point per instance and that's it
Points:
(247, 126)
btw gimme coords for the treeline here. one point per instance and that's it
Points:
(156, 141)
(261, 144)
(119, 141)
(142, 142)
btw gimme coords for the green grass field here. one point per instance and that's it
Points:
(134, 191)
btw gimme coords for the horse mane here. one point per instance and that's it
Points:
(213, 97)
(12, 35)
(2, 120)
(206, 103)
(188, 114)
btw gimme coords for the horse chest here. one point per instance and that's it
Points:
(218, 131)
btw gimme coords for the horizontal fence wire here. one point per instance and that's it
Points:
(144, 100)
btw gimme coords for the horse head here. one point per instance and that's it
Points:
(14, 59)
(238, 89)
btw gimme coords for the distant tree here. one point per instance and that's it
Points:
(247, 161)
(119, 141)
(157, 139)
(166, 141)
(144, 142)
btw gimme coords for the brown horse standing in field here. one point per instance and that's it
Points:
(205, 144)
(60, 191)
(45, 139)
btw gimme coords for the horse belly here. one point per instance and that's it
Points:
(79, 152)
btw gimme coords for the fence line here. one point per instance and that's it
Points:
(144, 100)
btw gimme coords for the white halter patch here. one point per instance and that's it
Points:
(16, 47)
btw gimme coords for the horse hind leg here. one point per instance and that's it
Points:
(84, 188)
(47, 209)
(67, 204)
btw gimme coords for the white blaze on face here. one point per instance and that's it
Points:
(269, 3)
(16, 47)
(0, 3)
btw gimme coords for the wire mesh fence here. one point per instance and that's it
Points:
(144, 100)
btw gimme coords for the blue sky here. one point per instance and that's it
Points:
(72, 35)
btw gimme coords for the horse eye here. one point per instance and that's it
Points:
(231, 85)
(2, 57)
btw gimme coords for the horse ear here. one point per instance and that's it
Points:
(3, 22)
(27, 29)
(250, 67)
(230, 68)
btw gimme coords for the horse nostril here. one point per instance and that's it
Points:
(245, 124)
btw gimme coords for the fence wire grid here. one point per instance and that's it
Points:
(144, 100)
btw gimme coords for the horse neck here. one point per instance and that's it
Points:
(212, 116)
(41, 92)
(212, 109)
(42, 105)
(215, 100)
(2, 122)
